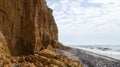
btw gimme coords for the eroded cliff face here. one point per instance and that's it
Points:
(28, 33)
(28, 26)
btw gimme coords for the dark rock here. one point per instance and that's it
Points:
(104, 49)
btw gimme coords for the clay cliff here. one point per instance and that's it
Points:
(26, 28)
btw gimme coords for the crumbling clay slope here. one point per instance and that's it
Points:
(45, 58)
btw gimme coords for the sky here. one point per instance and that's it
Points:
(87, 22)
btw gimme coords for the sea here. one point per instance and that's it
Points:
(112, 51)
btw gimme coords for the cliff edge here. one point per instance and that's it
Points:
(26, 28)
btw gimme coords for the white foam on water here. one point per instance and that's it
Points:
(110, 53)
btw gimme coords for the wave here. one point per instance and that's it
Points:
(112, 51)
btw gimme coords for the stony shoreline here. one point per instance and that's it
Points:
(89, 59)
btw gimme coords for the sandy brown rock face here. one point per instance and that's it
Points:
(4, 51)
(28, 33)
(28, 26)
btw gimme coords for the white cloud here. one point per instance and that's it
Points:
(86, 16)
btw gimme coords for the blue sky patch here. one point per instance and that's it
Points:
(87, 4)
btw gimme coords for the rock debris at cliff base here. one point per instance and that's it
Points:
(45, 58)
